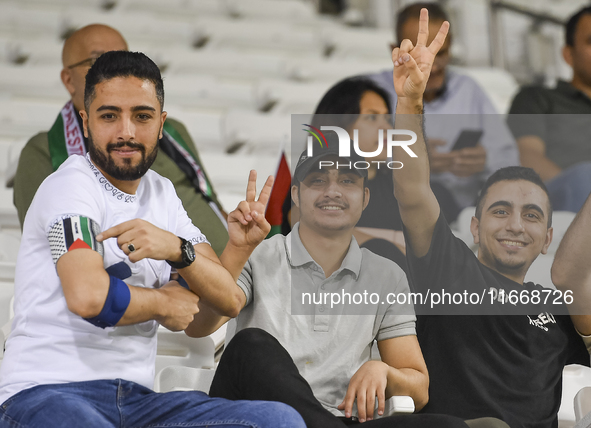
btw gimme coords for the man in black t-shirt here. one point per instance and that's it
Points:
(506, 364)
(551, 125)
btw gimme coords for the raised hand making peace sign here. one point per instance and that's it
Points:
(412, 64)
(247, 225)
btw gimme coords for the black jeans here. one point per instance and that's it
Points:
(255, 366)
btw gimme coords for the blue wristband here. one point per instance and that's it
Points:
(115, 305)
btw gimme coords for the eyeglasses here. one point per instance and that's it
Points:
(86, 62)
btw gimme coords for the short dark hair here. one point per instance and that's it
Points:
(122, 64)
(413, 11)
(571, 25)
(512, 173)
(344, 98)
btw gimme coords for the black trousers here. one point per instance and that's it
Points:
(255, 366)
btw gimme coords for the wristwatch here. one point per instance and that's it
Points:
(187, 255)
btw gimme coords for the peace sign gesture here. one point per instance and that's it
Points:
(412, 64)
(247, 225)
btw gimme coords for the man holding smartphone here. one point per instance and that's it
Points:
(454, 107)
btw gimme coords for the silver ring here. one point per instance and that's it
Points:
(131, 247)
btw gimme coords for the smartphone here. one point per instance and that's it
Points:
(467, 138)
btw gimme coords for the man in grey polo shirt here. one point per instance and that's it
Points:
(316, 356)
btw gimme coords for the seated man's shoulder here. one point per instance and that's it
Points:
(75, 173)
(380, 266)
(176, 124)
(36, 151)
(182, 130)
(39, 142)
(529, 96)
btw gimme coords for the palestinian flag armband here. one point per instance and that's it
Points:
(71, 233)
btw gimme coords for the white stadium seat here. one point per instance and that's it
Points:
(208, 91)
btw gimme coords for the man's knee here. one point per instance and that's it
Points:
(55, 408)
(271, 414)
(254, 339)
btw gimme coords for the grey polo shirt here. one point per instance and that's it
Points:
(328, 345)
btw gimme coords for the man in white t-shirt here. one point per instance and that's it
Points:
(93, 275)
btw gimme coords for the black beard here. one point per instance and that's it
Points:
(128, 172)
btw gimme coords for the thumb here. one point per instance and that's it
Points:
(414, 72)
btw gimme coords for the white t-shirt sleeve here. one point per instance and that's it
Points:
(67, 213)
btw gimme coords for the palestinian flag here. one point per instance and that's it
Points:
(280, 191)
(71, 233)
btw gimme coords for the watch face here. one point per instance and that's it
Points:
(188, 252)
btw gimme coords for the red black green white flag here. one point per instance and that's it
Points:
(281, 189)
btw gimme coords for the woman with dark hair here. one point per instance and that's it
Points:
(357, 103)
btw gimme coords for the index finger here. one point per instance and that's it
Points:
(251, 188)
(439, 38)
(266, 192)
(423, 35)
(115, 230)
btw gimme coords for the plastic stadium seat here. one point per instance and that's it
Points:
(176, 348)
(43, 51)
(461, 227)
(257, 132)
(358, 43)
(257, 36)
(6, 297)
(574, 378)
(135, 26)
(288, 97)
(180, 378)
(561, 220)
(61, 4)
(9, 245)
(205, 128)
(229, 173)
(334, 69)
(187, 8)
(34, 83)
(208, 91)
(583, 404)
(20, 21)
(273, 10)
(222, 64)
(25, 118)
(498, 84)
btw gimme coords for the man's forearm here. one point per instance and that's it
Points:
(409, 382)
(571, 269)
(532, 154)
(234, 258)
(214, 285)
(415, 172)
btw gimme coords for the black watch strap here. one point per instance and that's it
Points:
(187, 255)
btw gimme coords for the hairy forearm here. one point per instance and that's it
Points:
(234, 258)
(411, 382)
(205, 322)
(145, 304)
(414, 175)
(214, 285)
